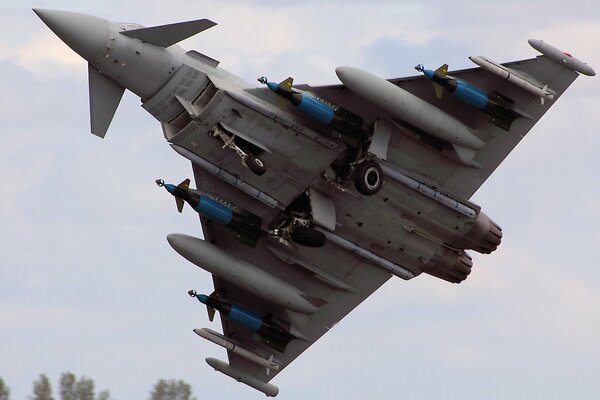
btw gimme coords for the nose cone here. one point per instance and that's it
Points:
(85, 34)
(202, 298)
(170, 187)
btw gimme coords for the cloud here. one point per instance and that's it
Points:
(44, 55)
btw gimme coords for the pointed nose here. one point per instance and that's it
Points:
(85, 34)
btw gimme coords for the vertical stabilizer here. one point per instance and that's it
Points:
(105, 96)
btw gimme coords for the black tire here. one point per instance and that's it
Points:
(308, 237)
(255, 164)
(368, 178)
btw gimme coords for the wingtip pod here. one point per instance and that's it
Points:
(561, 57)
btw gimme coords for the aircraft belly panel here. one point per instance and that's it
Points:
(398, 223)
(294, 162)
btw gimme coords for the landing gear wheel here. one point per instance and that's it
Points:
(368, 178)
(308, 237)
(255, 164)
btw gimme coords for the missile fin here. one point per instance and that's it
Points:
(211, 313)
(267, 369)
(543, 99)
(180, 203)
(286, 85)
(443, 70)
(185, 185)
(439, 90)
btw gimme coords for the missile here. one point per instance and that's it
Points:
(561, 57)
(499, 107)
(246, 224)
(411, 109)
(515, 77)
(318, 109)
(267, 388)
(222, 341)
(243, 274)
(270, 333)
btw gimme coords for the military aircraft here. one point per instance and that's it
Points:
(310, 198)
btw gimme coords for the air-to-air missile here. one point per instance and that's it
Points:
(270, 333)
(244, 274)
(318, 109)
(515, 77)
(246, 225)
(413, 111)
(267, 388)
(500, 108)
(226, 343)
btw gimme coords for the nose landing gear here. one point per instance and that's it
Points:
(253, 163)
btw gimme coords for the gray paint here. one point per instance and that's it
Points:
(378, 223)
(240, 272)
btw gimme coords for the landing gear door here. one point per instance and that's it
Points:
(382, 131)
(323, 210)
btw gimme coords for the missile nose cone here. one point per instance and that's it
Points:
(535, 43)
(202, 298)
(85, 34)
(170, 187)
(272, 85)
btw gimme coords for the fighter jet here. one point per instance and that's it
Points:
(312, 197)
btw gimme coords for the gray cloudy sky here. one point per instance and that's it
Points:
(89, 284)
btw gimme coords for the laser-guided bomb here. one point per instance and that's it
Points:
(244, 223)
(227, 344)
(499, 107)
(271, 333)
(318, 109)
